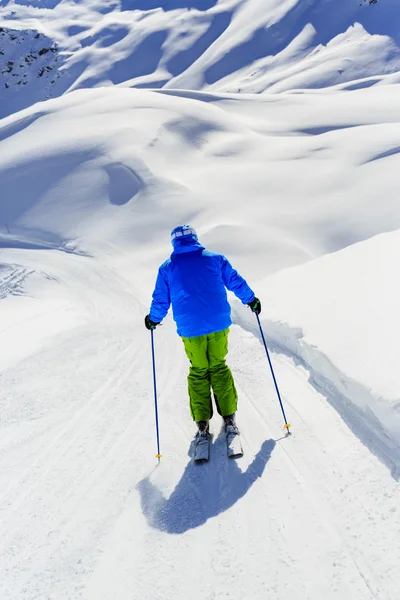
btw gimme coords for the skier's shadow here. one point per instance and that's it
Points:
(204, 491)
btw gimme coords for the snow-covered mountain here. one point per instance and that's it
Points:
(274, 128)
(213, 45)
(29, 68)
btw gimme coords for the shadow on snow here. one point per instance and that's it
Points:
(203, 492)
(328, 20)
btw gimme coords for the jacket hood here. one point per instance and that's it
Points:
(186, 244)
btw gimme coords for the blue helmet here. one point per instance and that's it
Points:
(183, 232)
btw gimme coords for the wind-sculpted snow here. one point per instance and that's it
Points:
(249, 47)
(27, 238)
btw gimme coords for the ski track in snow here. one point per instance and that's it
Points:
(12, 279)
(86, 513)
(56, 466)
(265, 521)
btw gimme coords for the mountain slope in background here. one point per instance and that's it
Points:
(224, 45)
(29, 66)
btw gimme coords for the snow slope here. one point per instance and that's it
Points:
(298, 186)
(85, 511)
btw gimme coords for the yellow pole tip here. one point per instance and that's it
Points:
(158, 455)
(287, 426)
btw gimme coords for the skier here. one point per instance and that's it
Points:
(195, 280)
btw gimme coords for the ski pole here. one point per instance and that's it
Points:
(158, 455)
(287, 425)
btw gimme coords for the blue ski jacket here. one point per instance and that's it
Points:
(194, 280)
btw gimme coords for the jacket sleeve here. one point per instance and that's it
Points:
(235, 283)
(161, 297)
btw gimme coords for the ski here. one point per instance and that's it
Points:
(202, 448)
(233, 443)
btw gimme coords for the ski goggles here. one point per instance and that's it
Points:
(182, 232)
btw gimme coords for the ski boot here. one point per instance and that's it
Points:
(202, 442)
(233, 444)
(203, 428)
(230, 425)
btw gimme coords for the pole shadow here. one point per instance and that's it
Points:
(203, 492)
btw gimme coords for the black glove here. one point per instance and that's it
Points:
(149, 323)
(255, 305)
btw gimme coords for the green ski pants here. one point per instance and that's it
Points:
(209, 370)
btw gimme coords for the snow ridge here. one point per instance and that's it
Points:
(353, 401)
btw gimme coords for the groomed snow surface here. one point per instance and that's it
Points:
(300, 190)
